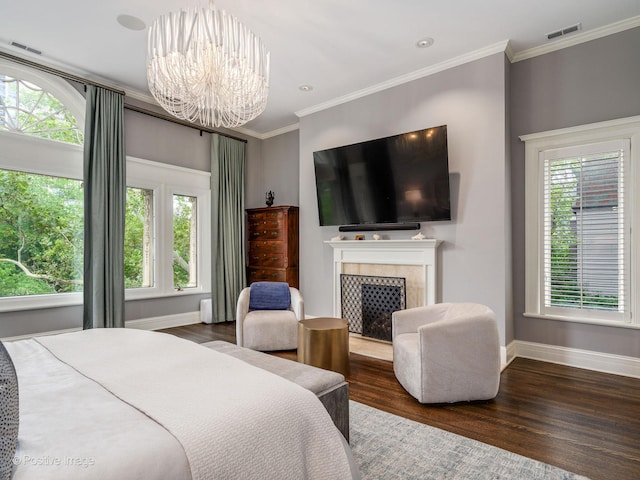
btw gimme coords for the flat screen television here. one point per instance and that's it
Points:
(391, 180)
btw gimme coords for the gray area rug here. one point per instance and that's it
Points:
(388, 447)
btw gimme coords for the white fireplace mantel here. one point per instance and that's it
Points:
(422, 253)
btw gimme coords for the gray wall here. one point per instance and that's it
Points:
(470, 100)
(160, 141)
(591, 82)
(277, 171)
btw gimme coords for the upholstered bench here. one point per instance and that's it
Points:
(330, 387)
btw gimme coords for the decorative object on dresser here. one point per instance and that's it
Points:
(269, 197)
(272, 244)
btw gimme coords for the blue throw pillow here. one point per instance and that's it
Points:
(9, 413)
(269, 296)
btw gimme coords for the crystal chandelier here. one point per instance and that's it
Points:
(204, 66)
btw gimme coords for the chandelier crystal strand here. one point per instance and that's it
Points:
(204, 66)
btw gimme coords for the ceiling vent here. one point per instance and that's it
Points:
(24, 47)
(564, 31)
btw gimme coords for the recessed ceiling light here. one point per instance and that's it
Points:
(131, 22)
(425, 42)
(305, 88)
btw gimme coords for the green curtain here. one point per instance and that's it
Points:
(104, 209)
(227, 225)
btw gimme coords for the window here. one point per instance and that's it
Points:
(185, 242)
(584, 229)
(41, 204)
(41, 197)
(172, 213)
(138, 239)
(28, 109)
(41, 228)
(580, 254)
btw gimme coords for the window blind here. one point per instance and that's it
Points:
(584, 229)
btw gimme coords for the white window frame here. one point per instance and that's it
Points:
(183, 181)
(44, 157)
(627, 129)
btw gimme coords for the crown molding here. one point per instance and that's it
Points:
(424, 72)
(265, 135)
(577, 38)
(509, 51)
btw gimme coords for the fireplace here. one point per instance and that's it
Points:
(413, 260)
(368, 302)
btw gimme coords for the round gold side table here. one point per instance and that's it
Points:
(324, 342)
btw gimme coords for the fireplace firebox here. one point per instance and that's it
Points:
(369, 301)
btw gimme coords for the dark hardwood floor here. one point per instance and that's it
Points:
(579, 420)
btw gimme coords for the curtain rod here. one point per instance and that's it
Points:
(76, 78)
(179, 122)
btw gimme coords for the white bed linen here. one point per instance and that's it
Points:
(72, 428)
(232, 419)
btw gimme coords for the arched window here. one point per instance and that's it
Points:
(31, 110)
(41, 219)
(39, 104)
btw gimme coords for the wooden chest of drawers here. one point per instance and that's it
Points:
(272, 245)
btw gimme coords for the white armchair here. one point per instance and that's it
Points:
(448, 352)
(268, 330)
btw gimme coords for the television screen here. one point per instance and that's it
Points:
(402, 178)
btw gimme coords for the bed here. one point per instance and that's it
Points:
(125, 403)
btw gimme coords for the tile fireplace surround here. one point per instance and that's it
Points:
(415, 260)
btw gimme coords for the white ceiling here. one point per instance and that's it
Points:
(340, 47)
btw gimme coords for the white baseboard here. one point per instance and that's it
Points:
(165, 321)
(510, 353)
(151, 323)
(573, 357)
(504, 358)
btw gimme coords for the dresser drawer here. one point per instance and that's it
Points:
(265, 248)
(264, 215)
(268, 275)
(267, 260)
(265, 221)
(264, 233)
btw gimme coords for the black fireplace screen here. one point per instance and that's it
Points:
(368, 302)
